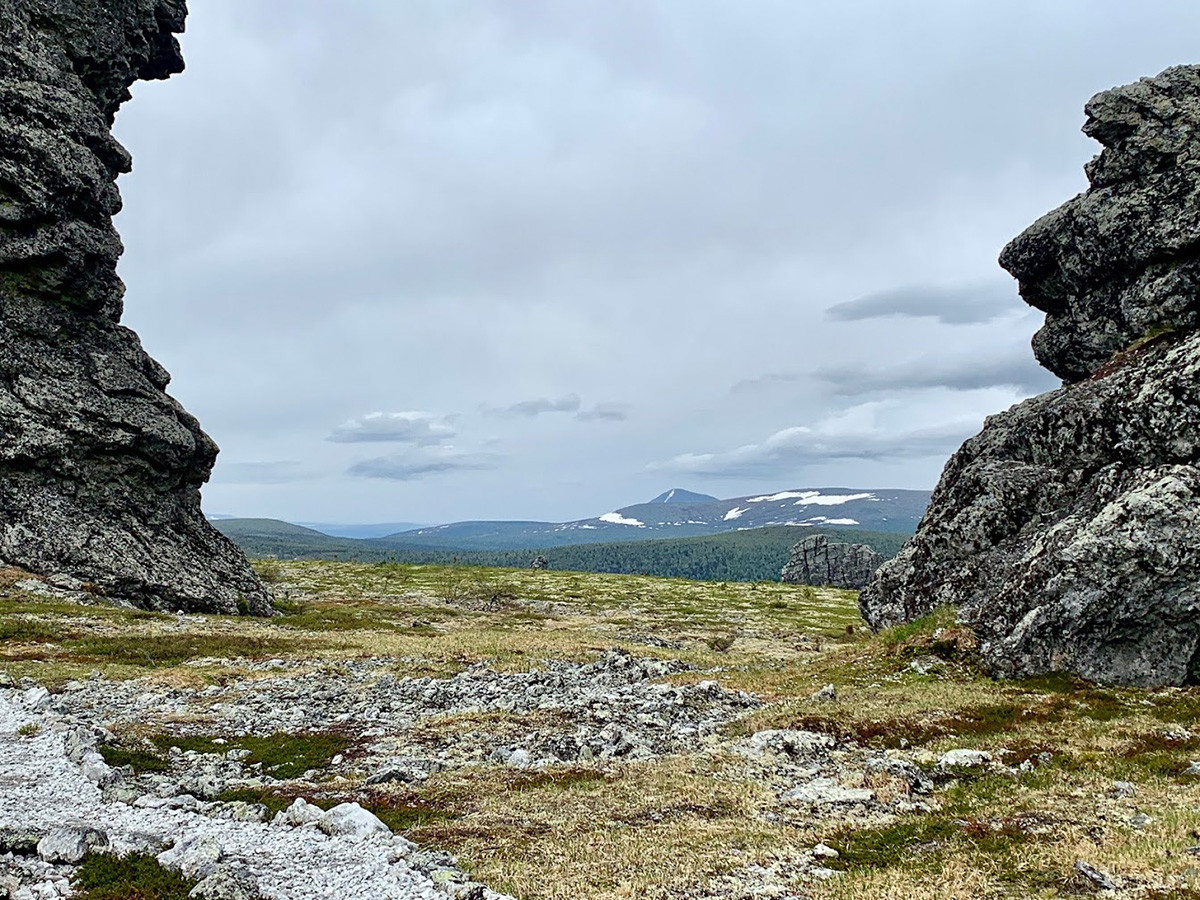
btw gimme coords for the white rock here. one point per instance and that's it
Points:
(301, 812)
(350, 819)
(520, 759)
(70, 844)
(195, 856)
(826, 791)
(826, 694)
(94, 768)
(36, 698)
(824, 851)
(964, 759)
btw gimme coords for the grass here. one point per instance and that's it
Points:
(132, 877)
(658, 828)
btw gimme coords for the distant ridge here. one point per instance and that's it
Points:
(672, 514)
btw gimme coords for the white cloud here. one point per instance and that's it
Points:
(421, 428)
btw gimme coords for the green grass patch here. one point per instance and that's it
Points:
(134, 877)
(281, 755)
(139, 760)
(172, 649)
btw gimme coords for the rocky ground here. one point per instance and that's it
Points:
(395, 734)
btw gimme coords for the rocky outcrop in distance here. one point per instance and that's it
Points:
(100, 470)
(818, 562)
(1065, 532)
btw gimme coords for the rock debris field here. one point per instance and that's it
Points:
(59, 798)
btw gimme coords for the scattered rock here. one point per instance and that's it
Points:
(1064, 531)
(824, 851)
(817, 562)
(227, 883)
(539, 562)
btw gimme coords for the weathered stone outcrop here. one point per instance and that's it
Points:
(100, 469)
(1066, 530)
(817, 562)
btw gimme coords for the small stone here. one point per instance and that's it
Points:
(70, 844)
(826, 791)
(1140, 820)
(350, 819)
(301, 812)
(825, 694)
(963, 759)
(1095, 876)
(520, 759)
(1193, 769)
(824, 851)
(1123, 790)
(195, 856)
(226, 883)
(36, 699)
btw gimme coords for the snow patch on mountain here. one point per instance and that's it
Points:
(735, 513)
(617, 519)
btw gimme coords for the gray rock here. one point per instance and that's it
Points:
(226, 883)
(1123, 790)
(826, 694)
(826, 792)
(350, 819)
(817, 562)
(100, 469)
(963, 759)
(194, 856)
(1065, 531)
(1097, 877)
(70, 844)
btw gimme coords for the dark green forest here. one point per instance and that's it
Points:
(756, 554)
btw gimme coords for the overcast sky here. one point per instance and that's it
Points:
(438, 260)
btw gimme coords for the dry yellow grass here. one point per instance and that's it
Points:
(666, 827)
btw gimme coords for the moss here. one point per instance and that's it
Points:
(133, 877)
(281, 755)
(139, 760)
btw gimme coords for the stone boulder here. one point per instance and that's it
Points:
(100, 470)
(818, 562)
(1065, 532)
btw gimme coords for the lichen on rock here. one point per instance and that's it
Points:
(100, 469)
(1065, 531)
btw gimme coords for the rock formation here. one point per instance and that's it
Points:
(1066, 531)
(100, 470)
(820, 563)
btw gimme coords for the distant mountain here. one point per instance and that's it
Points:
(362, 531)
(871, 509)
(679, 495)
(755, 554)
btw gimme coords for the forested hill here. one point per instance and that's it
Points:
(755, 554)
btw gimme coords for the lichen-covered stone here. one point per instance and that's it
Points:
(1065, 532)
(100, 469)
(819, 562)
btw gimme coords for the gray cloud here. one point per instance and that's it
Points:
(531, 408)
(421, 428)
(383, 206)
(416, 464)
(604, 412)
(762, 382)
(263, 472)
(1018, 371)
(968, 305)
(786, 452)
